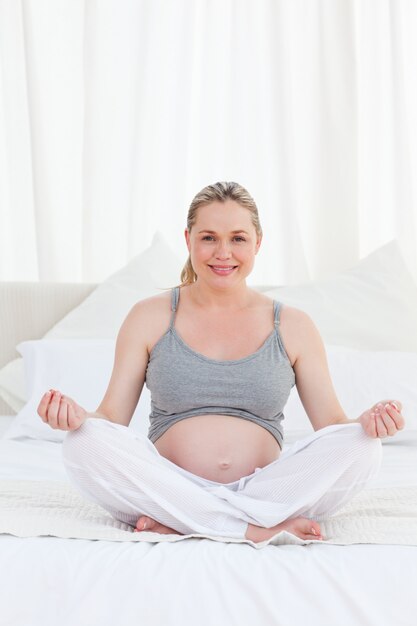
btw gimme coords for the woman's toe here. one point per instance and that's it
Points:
(308, 529)
(314, 528)
(144, 523)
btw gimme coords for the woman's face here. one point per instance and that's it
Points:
(222, 243)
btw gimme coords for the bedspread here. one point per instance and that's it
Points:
(32, 508)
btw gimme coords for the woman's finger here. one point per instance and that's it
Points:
(381, 429)
(388, 422)
(397, 404)
(396, 416)
(53, 408)
(63, 415)
(43, 405)
(73, 420)
(372, 426)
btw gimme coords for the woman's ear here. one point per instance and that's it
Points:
(187, 238)
(258, 244)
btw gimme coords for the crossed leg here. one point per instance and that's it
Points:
(308, 482)
(123, 472)
(302, 527)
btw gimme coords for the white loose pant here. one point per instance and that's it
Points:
(122, 471)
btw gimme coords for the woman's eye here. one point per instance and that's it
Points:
(208, 237)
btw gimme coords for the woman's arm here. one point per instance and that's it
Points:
(315, 387)
(130, 362)
(126, 382)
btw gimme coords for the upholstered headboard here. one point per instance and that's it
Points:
(28, 310)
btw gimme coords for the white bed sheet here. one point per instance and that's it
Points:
(48, 580)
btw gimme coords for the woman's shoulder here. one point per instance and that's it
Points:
(156, 299)
(287, 313)
(299, 332)
(293, 315)
(152, 305)
(148, 319)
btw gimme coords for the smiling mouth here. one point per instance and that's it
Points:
(219, 269)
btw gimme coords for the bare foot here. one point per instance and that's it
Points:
(300, 526)
(149, 524)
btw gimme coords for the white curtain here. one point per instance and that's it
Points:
(115, 113)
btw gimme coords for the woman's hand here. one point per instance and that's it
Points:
(384, 419)
(61, 412)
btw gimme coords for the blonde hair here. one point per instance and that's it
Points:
(219, 192)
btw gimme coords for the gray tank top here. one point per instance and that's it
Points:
(184, 383)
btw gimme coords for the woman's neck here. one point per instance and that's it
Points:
(227, 299)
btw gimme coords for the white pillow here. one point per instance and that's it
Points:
(79, 368)
(103, 311)
(360, 379)
(12, 384)
(372, 306)
(82, 368)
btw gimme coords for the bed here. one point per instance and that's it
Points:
(65, 561)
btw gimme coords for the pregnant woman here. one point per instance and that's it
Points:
(220, 360)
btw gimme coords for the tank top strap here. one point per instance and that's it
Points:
(277, 310)
(175, 294)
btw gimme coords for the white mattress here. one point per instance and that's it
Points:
(48, 580)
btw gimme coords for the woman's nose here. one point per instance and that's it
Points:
(223, 250)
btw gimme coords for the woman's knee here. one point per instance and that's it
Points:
(95, 439)
(83, 441)
(351, 443)
(366, 450)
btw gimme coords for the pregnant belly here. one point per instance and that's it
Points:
(222, 448)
